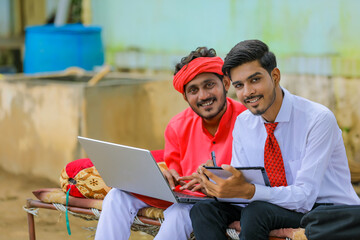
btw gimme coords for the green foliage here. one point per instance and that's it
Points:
(75, 11)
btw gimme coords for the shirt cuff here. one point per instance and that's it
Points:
(262, 193)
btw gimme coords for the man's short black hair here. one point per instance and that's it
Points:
(248, 51)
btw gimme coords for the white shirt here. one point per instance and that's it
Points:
(313, 151)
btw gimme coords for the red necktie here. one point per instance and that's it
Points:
(273, 160)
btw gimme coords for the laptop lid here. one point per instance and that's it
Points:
(128, 168)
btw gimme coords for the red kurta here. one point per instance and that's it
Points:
(188, 144)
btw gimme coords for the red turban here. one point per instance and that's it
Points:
(195, 67)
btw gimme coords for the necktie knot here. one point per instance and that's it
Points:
(270, 127)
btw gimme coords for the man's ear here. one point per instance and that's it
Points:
(226, 82)
(275, 75)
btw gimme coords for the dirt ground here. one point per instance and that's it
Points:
(49, 224)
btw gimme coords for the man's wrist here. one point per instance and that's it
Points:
(251, 191)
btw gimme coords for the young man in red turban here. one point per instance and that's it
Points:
(190, 137)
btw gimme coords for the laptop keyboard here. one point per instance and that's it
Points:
(184, 195)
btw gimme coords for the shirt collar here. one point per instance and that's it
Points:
(286, 107)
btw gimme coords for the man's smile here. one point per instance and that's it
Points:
(253, 99)
(206, 102)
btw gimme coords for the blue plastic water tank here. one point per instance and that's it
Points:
(49, 48)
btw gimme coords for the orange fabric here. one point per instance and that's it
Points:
(195, 67)
(154, 202)
(158, 155)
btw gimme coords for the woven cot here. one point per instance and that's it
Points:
(148, 220)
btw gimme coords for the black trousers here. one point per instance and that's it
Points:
(210, 219)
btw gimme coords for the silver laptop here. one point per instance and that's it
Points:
(131, 169)
(135, 170)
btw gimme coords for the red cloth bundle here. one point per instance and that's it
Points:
(84, 180)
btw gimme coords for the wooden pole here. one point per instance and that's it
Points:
(31, 223)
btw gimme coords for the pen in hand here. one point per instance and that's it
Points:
(213, 158)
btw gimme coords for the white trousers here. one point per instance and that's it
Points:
(119, 210)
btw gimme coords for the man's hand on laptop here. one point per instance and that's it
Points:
(173, 178)
(193, 183)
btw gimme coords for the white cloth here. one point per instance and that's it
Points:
(120, 208)
(313, 151)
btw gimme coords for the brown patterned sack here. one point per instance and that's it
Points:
(83, 180)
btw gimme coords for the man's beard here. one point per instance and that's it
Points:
(261, 112)
(221, 107)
